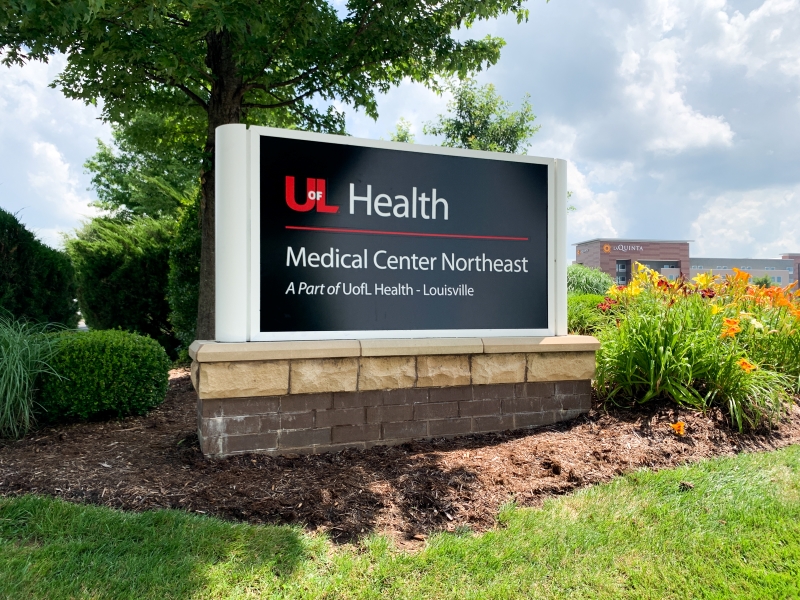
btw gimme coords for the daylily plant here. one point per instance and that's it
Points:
(712, 340)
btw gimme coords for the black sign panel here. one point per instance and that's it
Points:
(357, 238)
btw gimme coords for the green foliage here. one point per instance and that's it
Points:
(763, 282)
(735, 534)
(402, 132)
(479, 119)
(104, 374)
(122, 270)
(771, 337)
(583, 315)
(246, 62)
(36, 282)
(234, 59)
(669, 340)
(675, 352)
(26, 351)
(586, 280)
(184, 275)
(153, 166)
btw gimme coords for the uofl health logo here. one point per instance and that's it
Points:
(315, 197)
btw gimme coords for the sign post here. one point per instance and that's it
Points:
(331, 237)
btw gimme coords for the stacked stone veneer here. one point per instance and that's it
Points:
(271, 397)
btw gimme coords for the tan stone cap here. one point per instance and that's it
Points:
(210, 351)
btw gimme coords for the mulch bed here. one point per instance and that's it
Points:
(408, 491)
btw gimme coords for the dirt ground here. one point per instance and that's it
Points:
(407, 491)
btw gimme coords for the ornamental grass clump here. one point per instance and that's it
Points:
(586, 280)
(710, 342)
(26, 351)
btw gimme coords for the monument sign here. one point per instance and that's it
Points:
(333, 237)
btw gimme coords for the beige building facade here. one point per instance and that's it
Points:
(671, 258)
(780, 272)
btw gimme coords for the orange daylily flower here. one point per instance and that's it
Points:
(730, 328)
(679, 428)
(746, 365)
(741, 275)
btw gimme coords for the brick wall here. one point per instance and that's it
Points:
(328, 422)
(281, 397)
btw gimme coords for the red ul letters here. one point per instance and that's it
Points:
(315, 196)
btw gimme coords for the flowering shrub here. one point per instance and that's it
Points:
(712, 341)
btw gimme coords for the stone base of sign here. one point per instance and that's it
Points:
(312, 397)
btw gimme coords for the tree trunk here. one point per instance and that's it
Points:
(224, 107)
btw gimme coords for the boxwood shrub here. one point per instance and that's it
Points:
(103, 374)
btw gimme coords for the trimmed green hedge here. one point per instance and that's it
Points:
(103, 374)
(122, 268)
(184, 277)
(36, 282)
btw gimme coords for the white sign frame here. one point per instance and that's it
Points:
(238, 235)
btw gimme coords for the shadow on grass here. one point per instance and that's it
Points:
(53, 549)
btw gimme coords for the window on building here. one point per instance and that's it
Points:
(722, 267)
(790, 269)
(779, 278)
(769, 268)
(621, 268)
(621, 280)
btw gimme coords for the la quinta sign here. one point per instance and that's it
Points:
(332, 237)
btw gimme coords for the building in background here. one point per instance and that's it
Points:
(795, 258)
(781, 272)
(619, 257)
(671, 258)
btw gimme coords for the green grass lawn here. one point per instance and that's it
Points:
(735, 534)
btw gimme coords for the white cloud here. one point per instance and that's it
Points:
(595, 213)
(767, 36)
(44, 141)
(409, 100)
(57, 186)
(555, 139)
(651, 64)
(759, 223)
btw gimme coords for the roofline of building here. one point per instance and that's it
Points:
(729, 259)
(632, 240)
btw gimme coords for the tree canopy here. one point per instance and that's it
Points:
(237, 60)
(236, 56)
(479, 119)
(153, 165)
(402, 132)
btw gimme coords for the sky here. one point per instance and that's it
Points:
(680, 119)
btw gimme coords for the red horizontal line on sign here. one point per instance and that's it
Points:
(410, 233)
